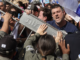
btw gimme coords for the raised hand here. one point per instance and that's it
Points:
(64, 49)
(41, 29)
(59, 36)
(7, 16)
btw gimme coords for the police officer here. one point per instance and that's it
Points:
(7, 47)
(7, 43)
(46, 46)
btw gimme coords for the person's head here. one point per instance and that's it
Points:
(46, 45)
(2, 5)
(79, 2)
(33, 8)
(20, 4)
(58, 13)
(45, 14)
(49, 6)
(13, 11)
(7, 5)
(7, 46)
(12, 8)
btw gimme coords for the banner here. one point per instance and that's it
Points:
(72, 14)
(70, 4)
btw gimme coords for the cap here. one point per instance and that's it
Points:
(7, 44)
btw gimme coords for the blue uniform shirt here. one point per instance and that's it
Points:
(69, 28)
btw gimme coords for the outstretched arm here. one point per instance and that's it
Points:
(33, 38)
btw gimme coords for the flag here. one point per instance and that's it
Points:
(72, 14)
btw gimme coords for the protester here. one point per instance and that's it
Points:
(49, 6)
(2, 7)
(45, 14)
(33, 9)
(21, 5)
(7, 5)
(58, 15)
(15, 27)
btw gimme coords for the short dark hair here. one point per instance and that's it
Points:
(7, 3)
(49, 5)
(20, 3)
(13, 13)
(47, 13)
(57, 5)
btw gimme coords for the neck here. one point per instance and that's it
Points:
(61, 24)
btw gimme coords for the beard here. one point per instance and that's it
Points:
(58, 22)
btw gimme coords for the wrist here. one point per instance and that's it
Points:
(6, 20)
(65, 52)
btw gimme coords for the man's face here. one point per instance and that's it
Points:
(7, 6)
(1, 6)
(41, 16)
(49, 7)
(58, 14)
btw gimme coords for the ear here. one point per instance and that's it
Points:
(64, 12)
(45, 18)
(36, 13)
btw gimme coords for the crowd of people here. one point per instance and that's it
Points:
(39, 45)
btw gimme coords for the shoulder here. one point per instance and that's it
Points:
(71, 27)
(2, 34)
